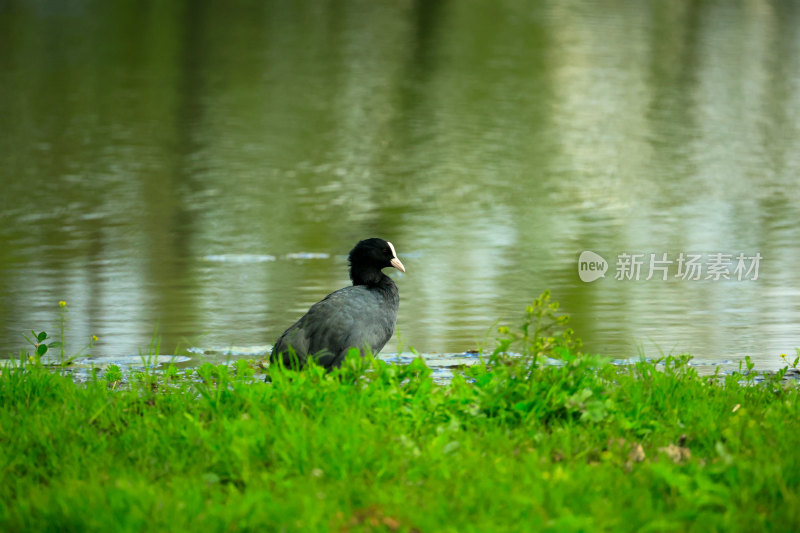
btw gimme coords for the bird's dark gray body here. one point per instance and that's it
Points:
(361, 316)
(348, 323)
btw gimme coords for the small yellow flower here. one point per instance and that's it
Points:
(94, 338)
(62, 303)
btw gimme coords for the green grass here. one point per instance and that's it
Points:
(511, 446)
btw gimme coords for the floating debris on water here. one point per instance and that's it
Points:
(129, 361)
(257, 350)
(132, 361)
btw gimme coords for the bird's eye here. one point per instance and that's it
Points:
(386, 250)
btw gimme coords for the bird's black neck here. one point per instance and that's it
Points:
(368, 276)
(384, 285)
(374, 279)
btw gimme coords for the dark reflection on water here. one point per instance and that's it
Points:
(491, 142)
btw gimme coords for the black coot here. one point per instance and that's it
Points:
(359, 316)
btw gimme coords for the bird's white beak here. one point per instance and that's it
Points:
(395, 262)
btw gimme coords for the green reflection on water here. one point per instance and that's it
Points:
(492, 142)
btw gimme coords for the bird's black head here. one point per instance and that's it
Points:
(369, 257)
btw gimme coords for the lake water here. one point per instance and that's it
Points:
(203, 168)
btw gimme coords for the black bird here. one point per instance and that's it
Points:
(360, 316)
